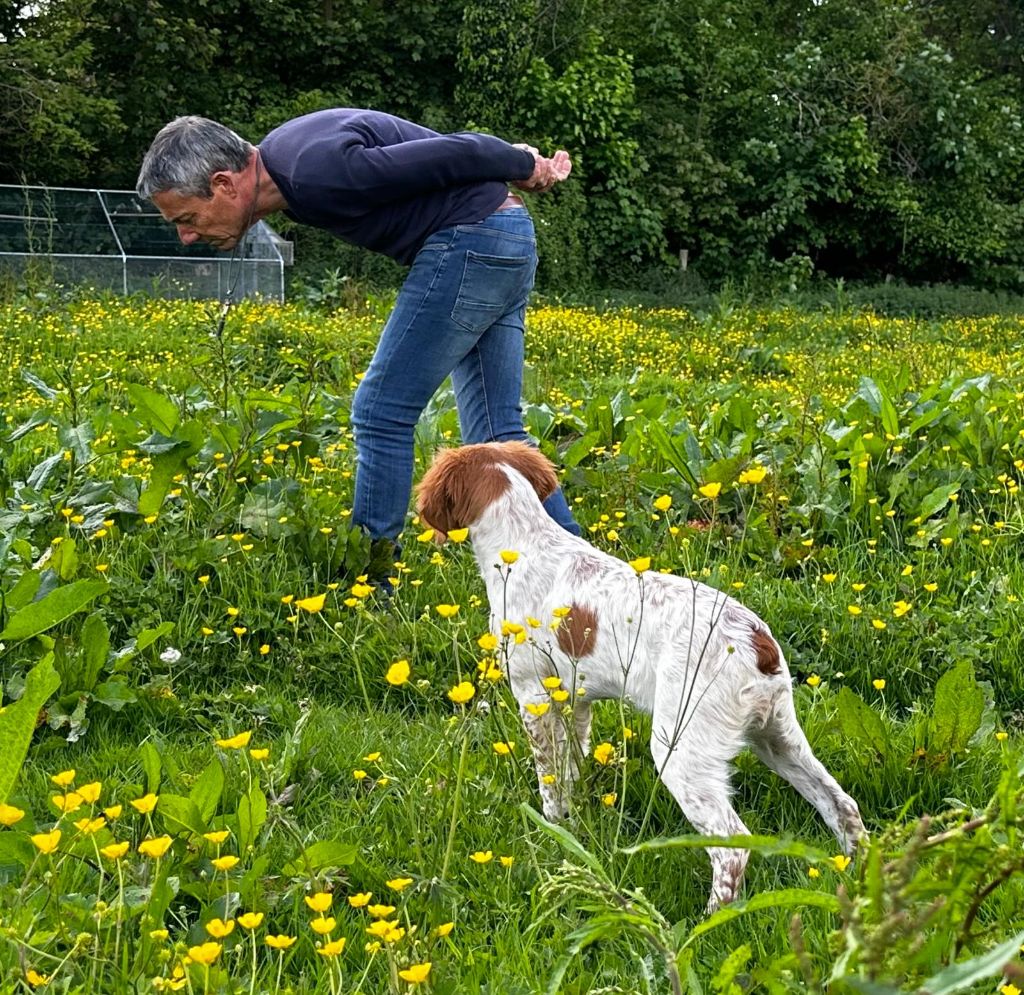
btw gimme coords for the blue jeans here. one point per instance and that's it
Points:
(461, 311)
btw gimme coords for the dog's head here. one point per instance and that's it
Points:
(461, 483)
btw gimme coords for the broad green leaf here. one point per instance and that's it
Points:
(166, 467)
(18, 721)
(959, 707)
(41, 473)
(958, 977)
(180, 813)
(207, 790)
(784, 898)
(58, 605)
(114, 694)
(566, 839)
(15, 848)
(155, 410)
(768, 845)
(23, 591)
(40, 385)
(252, 814)
(936, 500)
(95, 640)
(860, 723)
(150, 757)
(328, 853)
(65, 559)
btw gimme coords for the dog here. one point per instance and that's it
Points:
(707, 669)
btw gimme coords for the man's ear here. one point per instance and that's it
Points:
(224, 182)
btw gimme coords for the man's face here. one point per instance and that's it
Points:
(218, 220)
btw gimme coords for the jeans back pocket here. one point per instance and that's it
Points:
(491, 287)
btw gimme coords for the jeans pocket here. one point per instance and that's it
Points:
(491, 287)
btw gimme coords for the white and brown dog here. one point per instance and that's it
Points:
(707, 669)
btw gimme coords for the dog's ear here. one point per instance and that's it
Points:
(457, 488)
(532, 464)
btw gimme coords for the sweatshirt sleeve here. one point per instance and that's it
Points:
(379, 174)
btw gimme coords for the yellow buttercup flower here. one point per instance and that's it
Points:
(854, 609)
(279, 941)
(399, 884)
(840, 862)
(380, 911)
(114, 851)
(90, 826)
(225, 863)
(507, 861)
(259, 754)
(113, 812)
(447, 611)
(250, 920)
(814, 680)
(35, 979)
(640, 564)
(415, 974)
(458, 535)
(398, 673)
(332, 949)
(538, 708)
(753, 475)
(878, 623)
(313, 604)
(145, 804)
(663, 502)
(462, 693)
(155, 847)
(319, 901)
(218, 928)
(482, 856)
(64, 778)
(360, 899)
(68, 803)
(488, 642)
(323, 926)
(239, 742)
(503, 749)
(90, 793)
(604, 753)
(46, 843)
(218, 836)
(508, 556)
(710, 491)
(879, 685)
(9, 815)
(205, 953)
(900, 608)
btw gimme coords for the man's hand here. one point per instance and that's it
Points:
(546, 172)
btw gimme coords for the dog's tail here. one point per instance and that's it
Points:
(767, 654)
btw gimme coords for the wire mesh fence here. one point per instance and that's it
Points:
(112, 240)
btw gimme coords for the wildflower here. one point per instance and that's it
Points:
(753, 475)
(444, 929)
(398, 884)
(360, 899)
(710, 491)
(332, 949)
(382, 927)
(878, 623)
(250, 920)
(238, 742)
(145, 804)
(462, 693)
(900, 608)
(814, 680)
(858, 587)
(90, 826)
(1000, 736)
(663, 503)
(47, 842)
(313, 604)
(447, 611)
(603, 753)
(552, 682)
(114, 851)
(218, 928)
(458, 535)
(482, 856)
(264, 649)
(322, 925)
(224, 863)
(538, 708)
(879, 684)
(279, 941)
(320, 901)
(560, 695)
(841, 862)
(907, 571)
(1009, 989)
(507, 861)
(113, 811)
(64, 778)
(813, 872)
(9, 815)
(640, 564)
(380, 911)
(561, 612)
(931, 588)
(427, 536)
(205, 953)
(35, 979)
(829, 578)
(511, 628)
(159, 935)
(854, 609)
(508, 556)
(359, 590)
(609, 799)
(372, 758)
(360, 775)
(155, 847)
(218, 836)
(204, 579)
(259, 754)
(487, 642)
(415, 974)
(68, 803)
(398, 673)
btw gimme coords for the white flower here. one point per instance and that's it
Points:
(170, 655)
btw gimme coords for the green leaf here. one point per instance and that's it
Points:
(15, 848)
(95, 639)
(936, 500)
(23, 591)
(40, 385)
(957, 977)
(860, 723)
(566, 839)
(328, 853)
(166, 467)
(64, 560)
(207, 790)
(768, 845)
(41, 473)
(55, 607)
(150, 757)
(154, 409)
(114, 694)
(252, 814)
(783, 898)
(959, 707)
(18, 721)
(178, 813)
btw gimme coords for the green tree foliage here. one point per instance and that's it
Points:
(768, 139)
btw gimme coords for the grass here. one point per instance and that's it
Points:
(215, 499)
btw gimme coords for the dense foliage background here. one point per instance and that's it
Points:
(770, 139)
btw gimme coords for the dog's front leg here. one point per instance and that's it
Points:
(556, 765)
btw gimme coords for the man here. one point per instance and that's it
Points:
(439, 203)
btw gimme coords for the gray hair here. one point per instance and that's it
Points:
(186, 153)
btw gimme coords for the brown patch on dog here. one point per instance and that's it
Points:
(578, 632)
(767, 651)
(462, 482)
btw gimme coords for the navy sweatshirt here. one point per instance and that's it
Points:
(378, 181)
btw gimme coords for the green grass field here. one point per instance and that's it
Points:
(178, 571)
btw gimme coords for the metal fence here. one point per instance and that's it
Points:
(112, 240)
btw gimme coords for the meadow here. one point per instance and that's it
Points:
(248, 770)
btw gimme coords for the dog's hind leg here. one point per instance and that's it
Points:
(782, 746)
(699, 782)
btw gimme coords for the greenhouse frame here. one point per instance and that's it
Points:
(113, 240)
